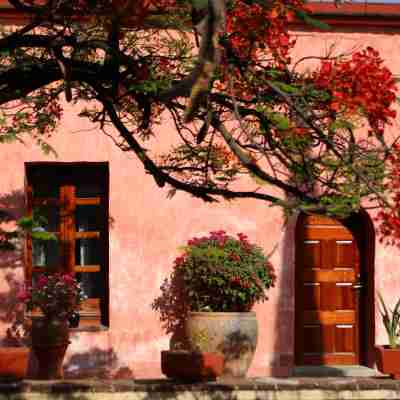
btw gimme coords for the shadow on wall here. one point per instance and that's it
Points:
(283, 349)
(12, 208)
(96, 363)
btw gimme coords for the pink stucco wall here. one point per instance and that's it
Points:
(148, 228)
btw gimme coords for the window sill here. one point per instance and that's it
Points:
(90, 328)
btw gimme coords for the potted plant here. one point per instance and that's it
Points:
(214, 284)
(57, 296)
(14, 349)
(388, 356)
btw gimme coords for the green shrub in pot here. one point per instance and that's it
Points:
(207, 299)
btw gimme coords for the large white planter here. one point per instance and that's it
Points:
(233, 334)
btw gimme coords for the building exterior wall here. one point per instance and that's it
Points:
(146, 230)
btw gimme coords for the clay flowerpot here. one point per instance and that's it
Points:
(50, 339)
(232, 334)
(388, 360)
(191, 366)
(13, 362)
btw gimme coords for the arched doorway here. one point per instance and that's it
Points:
(334, 290)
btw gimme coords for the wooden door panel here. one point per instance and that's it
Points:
(329, 317)
(345, 296)
(334, 233)
(313, 344)
(344, 254)
(318, 340)
(318, 275)
(327, 326)
(328, 296)
(312, 296)
(344, 338)
(312, 254)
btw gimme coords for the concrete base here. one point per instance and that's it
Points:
(353, 371)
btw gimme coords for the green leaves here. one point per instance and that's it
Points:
(279, 120)
(341, 124)
(34, 225)
(285, 87)
(199, 4)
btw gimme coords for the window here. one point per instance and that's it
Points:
(73, 199)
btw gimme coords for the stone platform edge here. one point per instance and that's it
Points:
(249, 389)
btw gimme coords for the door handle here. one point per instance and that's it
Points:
(357, 286)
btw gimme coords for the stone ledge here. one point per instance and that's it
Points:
(163, 389)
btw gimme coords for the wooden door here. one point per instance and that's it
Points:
(327, 293)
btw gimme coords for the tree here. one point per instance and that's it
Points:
(221, 69)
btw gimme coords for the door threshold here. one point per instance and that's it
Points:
(353, 371)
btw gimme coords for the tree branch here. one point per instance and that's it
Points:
(161, 177)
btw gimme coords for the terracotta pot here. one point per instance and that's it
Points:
(13, 362)
(191, 366)
(50, 339)
(234, 335)
(388, 361)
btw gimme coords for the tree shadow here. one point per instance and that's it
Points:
(238, 349)
(96, 363)
(174, 389)
(12, 208)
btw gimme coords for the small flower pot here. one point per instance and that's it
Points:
(13, 362)
(388, 361)
(191, 366)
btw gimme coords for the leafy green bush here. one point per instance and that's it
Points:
(222, 273)
(215, 273)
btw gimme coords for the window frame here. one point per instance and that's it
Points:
(68, 175)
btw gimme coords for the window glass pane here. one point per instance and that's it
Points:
(45, 253)
(87, 252)
(91, 283)
(88, 189)
(88, 218)
(46, 189)
(48, 217)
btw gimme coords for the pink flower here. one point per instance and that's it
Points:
(22, 295)
(179, 261)
(42, 281)
(68, 279)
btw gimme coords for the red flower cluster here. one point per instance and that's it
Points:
(220, 237)
(56, 295)
(360, 85)
(254, 26)
(244, 283)
(389, 218)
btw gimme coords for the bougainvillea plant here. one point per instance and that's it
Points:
(310, 138)
(217, 272)
(56, 295)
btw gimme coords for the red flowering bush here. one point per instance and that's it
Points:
(217, 273)
(55, 295)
